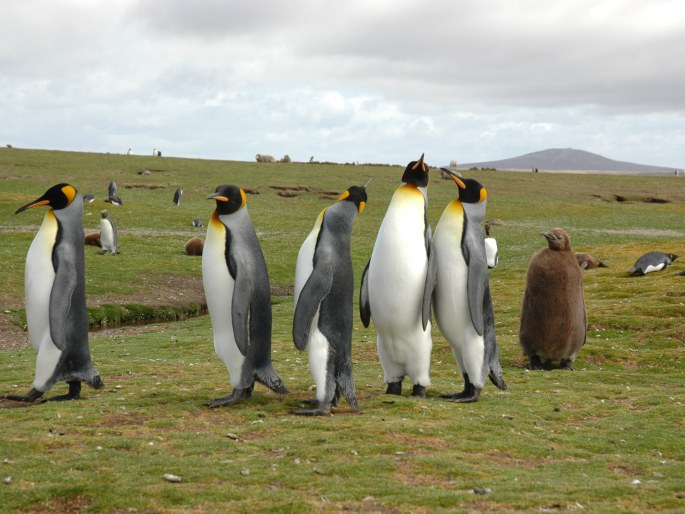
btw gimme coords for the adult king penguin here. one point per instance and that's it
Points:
(393, 284)
(457, 283)
(238, 296)
(324, 287)
(108, 234)
(56, 297)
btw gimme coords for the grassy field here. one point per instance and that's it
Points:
(609, 437)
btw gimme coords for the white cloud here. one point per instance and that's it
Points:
(370, 81)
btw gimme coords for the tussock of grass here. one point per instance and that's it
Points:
(605, 438)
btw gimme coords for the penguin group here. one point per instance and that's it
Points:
(412, 277)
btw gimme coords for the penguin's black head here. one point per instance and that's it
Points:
(57, 197)
(356, 195)
(416, 172)
(470, 190)
(228, 198)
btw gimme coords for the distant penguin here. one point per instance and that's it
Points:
(109, 242)
(393, 284)
(194, 246)
(238, 294)
(458, 285)
(652, 261)
(88, 198)
(553, 317)
(55, 293)
(197, 222)
(324, 290)
(587, 261)
(115, 200)
(491, 250)
(112, 189)
(177, 196)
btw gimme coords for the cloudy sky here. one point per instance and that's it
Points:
(353, 80)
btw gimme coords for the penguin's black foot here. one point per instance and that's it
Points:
(469, 395)
(567, 364)
(30, 397)
(322, 409)
(310, 401)
(237, 396)
(418, 391)
(73, 394)
(536, 363)
(394, 388)
(96, 383)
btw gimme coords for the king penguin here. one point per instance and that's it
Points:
(458, 286)
(324, 289)
(108, 234)
(56, 297)
(177, 196)
(238, 296)
(393, 284)
(491, 250)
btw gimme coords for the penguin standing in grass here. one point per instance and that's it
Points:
(177, 196)
(393, 284)
(458, 285)
(324, 288)
(108, 234)
(238, 296)
(56, 297)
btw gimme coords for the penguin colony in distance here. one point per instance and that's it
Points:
(553, 317)
(398, 263)
(109, 242)
(458, 286)
(238, 294)
(652, 261)
(324, 289)
(587, 261)
(177, 196)
(55, 293)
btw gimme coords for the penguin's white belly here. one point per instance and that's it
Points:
(38, 280)
(106, 236)
(318, 349)
(491, 252)
(650, 268)
(397, 273)
(218, 285)
(450, 300)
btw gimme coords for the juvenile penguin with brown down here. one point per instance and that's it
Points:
(553, 318)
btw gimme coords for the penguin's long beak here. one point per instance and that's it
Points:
(217, 197)
(420, 163)
(31, 205)
(547, 235)
(455, 178)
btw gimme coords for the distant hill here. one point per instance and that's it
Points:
(567, 159)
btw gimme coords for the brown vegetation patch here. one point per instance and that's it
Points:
(291, 188)
(58, 505)
(650, 199)
(288, 194)
(144, 186)
(251, 191)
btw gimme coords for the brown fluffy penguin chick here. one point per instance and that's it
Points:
(93, 239)
(587, 261)
(194, 246)
(553, 318)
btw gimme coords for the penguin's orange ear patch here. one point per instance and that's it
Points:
(343, 196)
(243, 197)
(483, 195)
(70, 193)
(361, 206)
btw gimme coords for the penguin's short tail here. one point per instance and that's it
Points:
(270, 379)
(497, 376)
(346, 387)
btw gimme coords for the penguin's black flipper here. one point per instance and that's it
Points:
(316, 288)
(364, 307)
(60, 299)
(492, 364)
(473, 250)
(431, 277)
(240, 310)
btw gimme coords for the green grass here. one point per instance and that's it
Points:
(553, 441)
